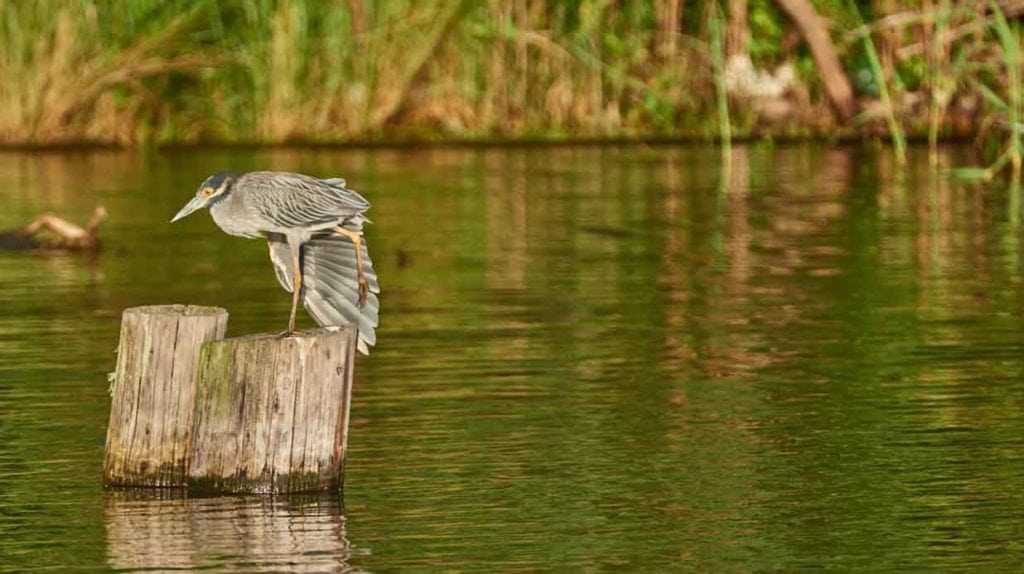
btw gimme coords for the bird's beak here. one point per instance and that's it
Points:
(196, 203)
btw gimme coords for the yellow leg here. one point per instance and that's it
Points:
(296, 287)
(357, 240)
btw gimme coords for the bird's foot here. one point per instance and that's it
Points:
(285, 334)
(364, 290)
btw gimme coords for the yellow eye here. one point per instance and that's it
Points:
(207, 191)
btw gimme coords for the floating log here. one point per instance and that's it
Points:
(153, 392)
(51, 232)
(260, 414)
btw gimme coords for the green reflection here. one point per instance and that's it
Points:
(590, 358)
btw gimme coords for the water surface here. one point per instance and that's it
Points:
(590, 359)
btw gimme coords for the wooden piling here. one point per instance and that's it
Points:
(261, 413)
(272, 413)
(153, 392)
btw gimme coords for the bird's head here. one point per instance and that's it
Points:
(215, 188)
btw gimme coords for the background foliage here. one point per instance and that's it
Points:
(177, 71)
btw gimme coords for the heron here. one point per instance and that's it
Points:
(314, 230)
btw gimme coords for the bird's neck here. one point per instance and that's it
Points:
(231, 215)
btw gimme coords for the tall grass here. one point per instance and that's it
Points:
(1009, 41)
(73, 70)
(280, 70)
(1002, 92)
(312, 69)
(938, 97)
(716, 27)
(129, 71)
(899, 140)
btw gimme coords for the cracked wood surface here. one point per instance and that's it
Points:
(153, 392)
(272, 413)
(250, 414)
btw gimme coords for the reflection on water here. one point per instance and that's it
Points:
(163, 531)
(589, 359)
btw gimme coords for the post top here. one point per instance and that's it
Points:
(342, 330)
(176, 310)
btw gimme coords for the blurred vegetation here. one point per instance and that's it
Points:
(175, 71)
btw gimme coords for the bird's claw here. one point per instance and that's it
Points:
(285, 334)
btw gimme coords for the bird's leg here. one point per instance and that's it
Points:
(296, 287)
(357, 240)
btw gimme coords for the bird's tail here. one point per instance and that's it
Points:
(330, 283)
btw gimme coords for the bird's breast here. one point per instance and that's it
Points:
(234, 220)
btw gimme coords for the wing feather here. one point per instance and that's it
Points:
(330, 286)
(292, 200)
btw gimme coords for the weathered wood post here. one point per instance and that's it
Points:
(252, 414)
(151, 411)
(272, 413)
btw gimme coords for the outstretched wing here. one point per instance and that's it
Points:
(330, 285)
(294, 201)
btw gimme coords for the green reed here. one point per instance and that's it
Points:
(1009, 42)
(895, 128)
(937, 81)
(715, 27)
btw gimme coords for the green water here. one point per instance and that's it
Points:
(593, 359)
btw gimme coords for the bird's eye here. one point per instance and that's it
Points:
(207, 191)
